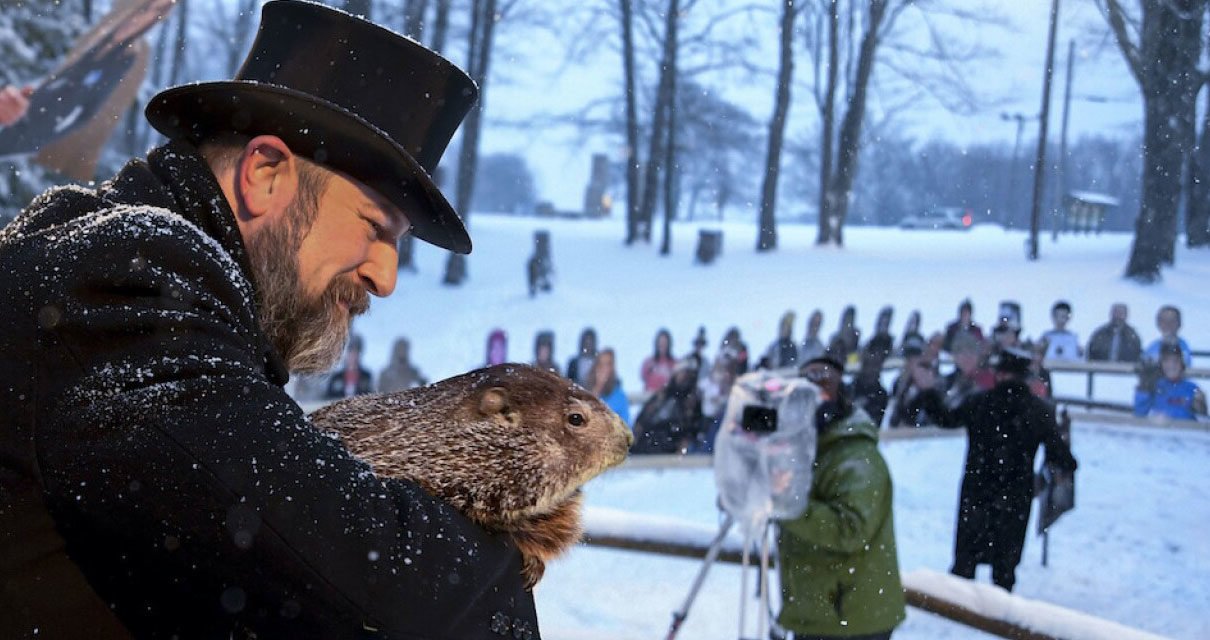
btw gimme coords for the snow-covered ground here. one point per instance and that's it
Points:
(1134, 551)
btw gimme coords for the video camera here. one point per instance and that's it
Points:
(765, 448)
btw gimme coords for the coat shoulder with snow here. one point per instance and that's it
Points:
(839, 567)
(147, 446)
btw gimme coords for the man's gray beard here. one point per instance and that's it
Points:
(308, 333)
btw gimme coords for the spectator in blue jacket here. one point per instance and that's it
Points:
(604, 383)
(1170, 394)
(1168, 321)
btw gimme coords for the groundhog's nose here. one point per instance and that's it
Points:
(620, 426)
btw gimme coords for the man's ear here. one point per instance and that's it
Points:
(267, 176)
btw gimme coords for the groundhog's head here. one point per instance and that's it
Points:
(576, 435)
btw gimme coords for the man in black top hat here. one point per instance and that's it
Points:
(1005, 426)
(155, 479)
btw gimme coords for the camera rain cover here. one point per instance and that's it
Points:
(747, 460)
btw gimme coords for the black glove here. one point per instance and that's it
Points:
(1149, 373)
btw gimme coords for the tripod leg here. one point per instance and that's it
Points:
(743, 584)
(762, 628)
(678, 616)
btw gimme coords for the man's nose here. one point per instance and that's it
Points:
(380, 269)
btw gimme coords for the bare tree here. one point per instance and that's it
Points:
(441, 25)
(179, 50)
(1197, 214)
(879, 15)
(413, 18)
(1161, 44)
(359, 8)
(670, 172)
(766, 239)
(479, 48)
(844, 38)
(665, 96)
(632, 122)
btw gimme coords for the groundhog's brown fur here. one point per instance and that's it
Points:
(500, 444)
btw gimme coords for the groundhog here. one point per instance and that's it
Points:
(509, 446)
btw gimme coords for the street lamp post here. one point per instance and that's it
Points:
(1009, 197)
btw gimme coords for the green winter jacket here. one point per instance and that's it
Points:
(839, 571)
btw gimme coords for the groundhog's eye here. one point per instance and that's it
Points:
(575, 420)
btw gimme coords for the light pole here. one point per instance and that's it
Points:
(1040, 164)
(1009, 197)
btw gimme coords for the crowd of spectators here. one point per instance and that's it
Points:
(681, 400)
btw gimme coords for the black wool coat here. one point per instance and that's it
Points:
(1005, 427)
(152, 465)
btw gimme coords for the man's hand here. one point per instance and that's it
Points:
(13, 104)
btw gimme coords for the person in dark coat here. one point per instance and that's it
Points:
(671, 418)
(155, 479)
(782, 352)
(1115, 341)
(847, 335)
(965, 324)
(353, 379)
(1005, 426)
(579, 366)
(866, 388)
(400, 373)
(544, 352)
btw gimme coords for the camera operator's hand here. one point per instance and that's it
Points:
(779, 481)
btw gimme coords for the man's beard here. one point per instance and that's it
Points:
(308, 332)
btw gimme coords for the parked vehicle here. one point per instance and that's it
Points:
(939, 218)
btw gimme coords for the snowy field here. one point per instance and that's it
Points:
(1134, 551)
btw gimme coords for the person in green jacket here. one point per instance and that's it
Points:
(839, 570)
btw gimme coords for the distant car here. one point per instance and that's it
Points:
(939, 218)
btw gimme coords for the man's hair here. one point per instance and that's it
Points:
(1175, 311)
(1061, 305)
(222, 152)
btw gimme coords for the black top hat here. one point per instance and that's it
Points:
(346, 93)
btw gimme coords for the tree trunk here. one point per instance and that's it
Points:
(441, 25)
(358, 8)
(1197, 216)
(480, 46)
(659, 123)
(182, 32)
(828, 124)
(632, 125)
(1169, 45)
(849, 140)
(670, 170)
(766, 239)
(413, 19)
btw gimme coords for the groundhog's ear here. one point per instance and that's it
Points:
(494, 401)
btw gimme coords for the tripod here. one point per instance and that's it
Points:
(761, 524)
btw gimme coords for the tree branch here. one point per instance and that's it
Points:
(1113, 12)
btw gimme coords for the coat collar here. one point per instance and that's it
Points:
(177, 178)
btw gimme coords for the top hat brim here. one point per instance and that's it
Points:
(319, 130)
